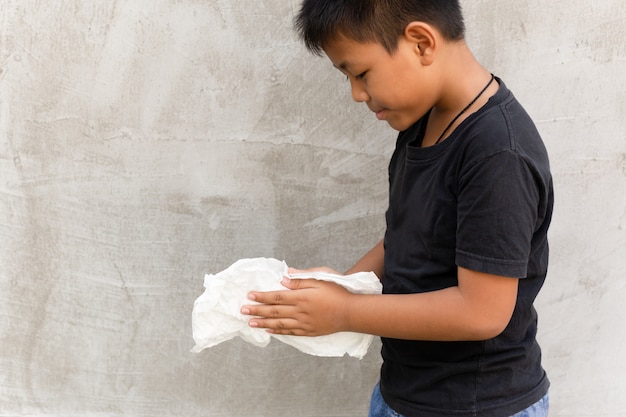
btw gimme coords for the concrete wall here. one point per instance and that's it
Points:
(145, 143)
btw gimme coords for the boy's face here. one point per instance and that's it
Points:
(395, 87)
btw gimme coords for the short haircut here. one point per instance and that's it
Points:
(382, 21)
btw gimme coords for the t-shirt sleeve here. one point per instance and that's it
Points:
(498, 201)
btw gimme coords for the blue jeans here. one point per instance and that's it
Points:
(538, 409)
(379, 408)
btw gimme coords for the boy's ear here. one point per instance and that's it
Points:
(425, 39)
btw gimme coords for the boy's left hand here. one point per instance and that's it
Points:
(309, 308)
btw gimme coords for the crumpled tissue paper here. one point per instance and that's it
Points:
(216, 315)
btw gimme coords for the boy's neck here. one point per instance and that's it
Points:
(462, 78)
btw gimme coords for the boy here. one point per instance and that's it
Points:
(470, 201)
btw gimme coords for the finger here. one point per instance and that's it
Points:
(272, 297)
(271, 311)
(299, 283)
(310, 270)
(281, 326)
(297, 271)
(290, 283)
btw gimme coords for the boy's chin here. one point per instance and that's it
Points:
(400, 125)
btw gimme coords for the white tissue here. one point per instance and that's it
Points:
(216, 315)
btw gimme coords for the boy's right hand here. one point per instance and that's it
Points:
(307, 307)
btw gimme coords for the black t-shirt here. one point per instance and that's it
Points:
(482, 199)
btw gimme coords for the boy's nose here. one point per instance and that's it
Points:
(359, 94)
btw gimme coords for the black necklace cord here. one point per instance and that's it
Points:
(465, 109)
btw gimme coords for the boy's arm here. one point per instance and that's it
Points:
(479, 308)
(372, 261)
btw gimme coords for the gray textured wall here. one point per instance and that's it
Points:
(145, 143)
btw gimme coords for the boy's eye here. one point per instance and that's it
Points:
(358, 77)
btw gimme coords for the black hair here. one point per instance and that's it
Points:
(382, 21)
